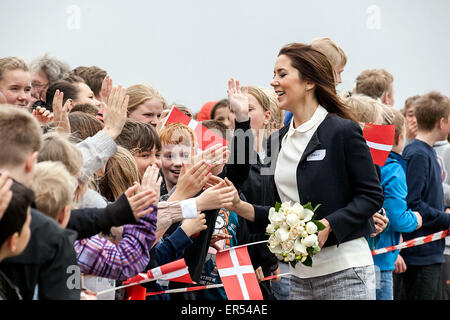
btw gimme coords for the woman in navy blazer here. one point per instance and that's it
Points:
(324, 150)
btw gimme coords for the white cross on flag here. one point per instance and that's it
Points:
(173, 271)
(380, 139)
(205, 137)
(237, 274)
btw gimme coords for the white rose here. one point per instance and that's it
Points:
(311, 227)
(290, 257)
(270, 228)
(299, 247)
(285, 207)
(277, 218)
(279, 256)
(273, 241)
(277, 249)
(307, 214)
(311, 240)
(282, 233)
(288, 245)
(292, 219)
(297, 208)
(271, 212)
(295, 231)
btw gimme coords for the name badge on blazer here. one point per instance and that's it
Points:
(317, 155)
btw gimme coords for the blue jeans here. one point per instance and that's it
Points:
(281, 288)
(385, 287)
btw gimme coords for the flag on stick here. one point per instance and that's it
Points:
(205, 137)
(237, 274)
(173, 271)
(380, 139)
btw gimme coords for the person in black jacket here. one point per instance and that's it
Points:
(322, 158)
(14, 234)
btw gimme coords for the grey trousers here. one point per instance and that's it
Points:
(350, 284)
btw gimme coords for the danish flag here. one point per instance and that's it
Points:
(237, 274)
(205, 137)
(380, 139)
(173, 271)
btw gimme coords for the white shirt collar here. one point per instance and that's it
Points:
(318, 115)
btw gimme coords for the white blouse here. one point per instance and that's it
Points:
(354, 253)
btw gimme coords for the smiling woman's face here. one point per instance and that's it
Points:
(287, 83)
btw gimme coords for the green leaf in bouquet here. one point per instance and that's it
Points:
(293, 262)
(320, 225)
(277, 206)
(308, 206)
(316, 249)
(316, 207)
(310, 250)
(308, 261)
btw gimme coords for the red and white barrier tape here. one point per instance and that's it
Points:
(413, 242)
(211, 286)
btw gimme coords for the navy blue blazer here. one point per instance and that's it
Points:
(337, 171)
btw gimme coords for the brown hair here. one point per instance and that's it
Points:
(84, 125)
(20, 135)
(121, 172)
(219, 104)
(93, 76)
(430, 108)
(70, 90)
(399, 122)
(183, 109)
(218, 126)
(139, 93)
(333, 52)
(177, 133)
(138, 136)
(12, 63)
(85, 108)
(408, 103)
(373, 82)
(315, 67)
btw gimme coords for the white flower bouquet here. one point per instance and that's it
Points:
(293, 232)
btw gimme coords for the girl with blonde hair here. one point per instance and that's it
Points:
(146, 104)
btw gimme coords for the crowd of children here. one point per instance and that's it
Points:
(96, 187)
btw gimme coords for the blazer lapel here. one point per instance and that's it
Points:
(313, 144)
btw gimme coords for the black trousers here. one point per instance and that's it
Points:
(419, 283)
